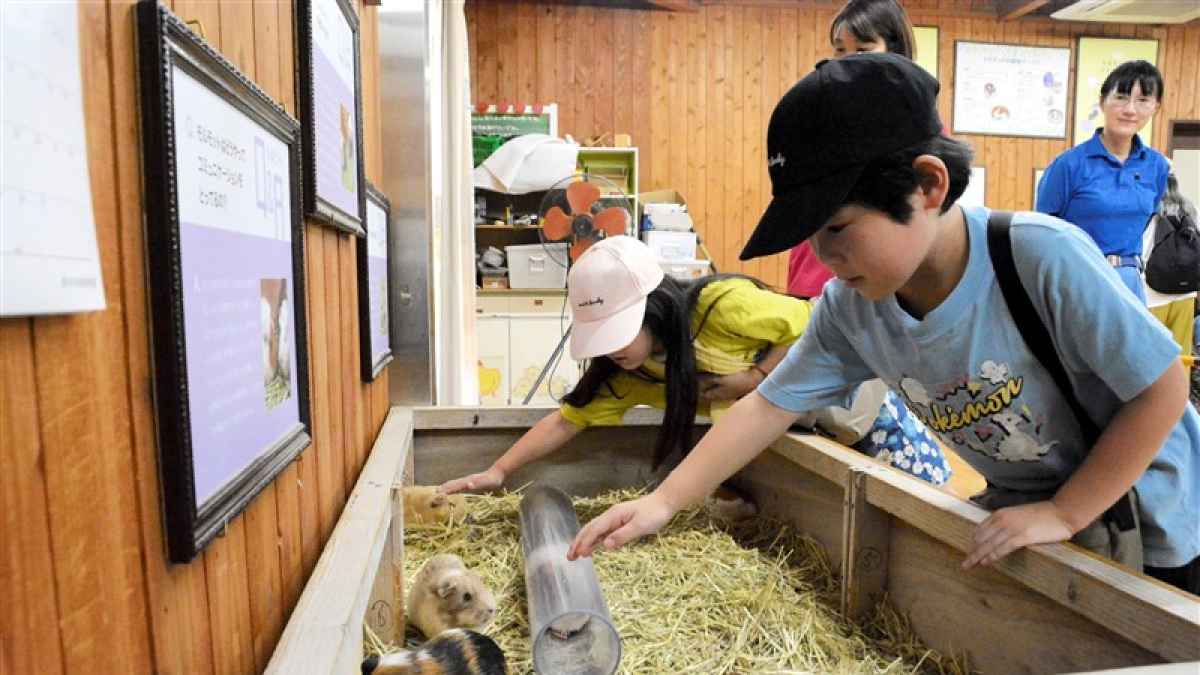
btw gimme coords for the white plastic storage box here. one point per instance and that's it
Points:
(685, 270)
(537, 265)
(671, 245)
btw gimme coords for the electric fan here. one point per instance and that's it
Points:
(579, 210)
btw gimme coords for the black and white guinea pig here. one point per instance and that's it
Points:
(455, 652)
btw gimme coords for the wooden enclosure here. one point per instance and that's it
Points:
(695, 89)
(1047, 609)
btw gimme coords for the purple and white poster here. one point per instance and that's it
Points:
(236, 263)
(377, 280)
(335, 119)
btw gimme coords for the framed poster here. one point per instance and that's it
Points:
(1010, 90)
(374, 326)
(976, 192)
(926, 38)
(225, 254)
(331, 97)
(1037, 180)
(49, 258)
(1095, 58)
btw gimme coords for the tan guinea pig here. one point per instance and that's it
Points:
(445, 594)
(424, 505)
(454, 652)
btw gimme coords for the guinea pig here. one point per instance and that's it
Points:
(454, 652)
(424, 505)
(445, 594)
(727, 504)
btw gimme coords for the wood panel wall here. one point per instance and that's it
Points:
(85, 579)
(696, 89)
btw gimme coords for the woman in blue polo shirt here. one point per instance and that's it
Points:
(1112, 184)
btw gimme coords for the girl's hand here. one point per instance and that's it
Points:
(621, 524)
(728, 387)
(1016, 527)
(476, 482)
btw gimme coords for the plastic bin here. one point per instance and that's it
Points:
(685, 270)
(671, 245)
(537, 265)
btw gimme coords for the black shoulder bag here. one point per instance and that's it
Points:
(1174, 262)
(1037, 338)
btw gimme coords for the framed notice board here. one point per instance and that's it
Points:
(225, 252)
(1096, 57)
(1010, 90)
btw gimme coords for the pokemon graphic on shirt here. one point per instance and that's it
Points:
(983, 413)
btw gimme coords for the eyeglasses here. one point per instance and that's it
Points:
(1140, 104)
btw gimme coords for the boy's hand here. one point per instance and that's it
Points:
(1015, 527)
(621, 524)
(482, 481)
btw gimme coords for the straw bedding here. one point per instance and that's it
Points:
(699, 597)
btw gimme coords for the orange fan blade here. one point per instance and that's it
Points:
(556, 225)
(582, 244)
(580, 196)
(612, 221)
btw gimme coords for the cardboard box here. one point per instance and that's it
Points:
(657, 197)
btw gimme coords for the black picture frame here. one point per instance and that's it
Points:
(317, 206)
(372, 365)
(166, 47)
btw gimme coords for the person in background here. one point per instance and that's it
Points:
(1176, 311)
(1111, 185)
(688, 348)
(861, 26)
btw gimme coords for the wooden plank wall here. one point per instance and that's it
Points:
(696, 89)
(86, 584)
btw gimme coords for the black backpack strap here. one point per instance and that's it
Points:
(1038, 340)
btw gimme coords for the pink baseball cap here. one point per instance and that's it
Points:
(607, 289)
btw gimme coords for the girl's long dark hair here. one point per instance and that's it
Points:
(668, 317)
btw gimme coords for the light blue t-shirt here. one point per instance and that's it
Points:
(965, 371)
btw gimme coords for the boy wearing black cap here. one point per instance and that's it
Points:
(859, 167)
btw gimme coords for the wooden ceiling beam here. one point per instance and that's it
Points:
(1008, 10)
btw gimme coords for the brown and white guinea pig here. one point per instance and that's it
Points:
(445, 594)
(730, 505)
(425, 505)
(454, 652)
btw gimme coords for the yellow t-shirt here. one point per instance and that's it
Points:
(745, 321)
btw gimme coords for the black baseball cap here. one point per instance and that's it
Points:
(827, 128)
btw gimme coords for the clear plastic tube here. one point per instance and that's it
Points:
(569, 624)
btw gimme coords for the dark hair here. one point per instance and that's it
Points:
(887, 183)
(668, 316)
(876, 20)
(1125, 75)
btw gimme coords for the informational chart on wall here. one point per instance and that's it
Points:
(926, 38)
(236, 261)
(49, 260)
(976, 192)
(374, 317)
(1097, 57)
(330, 88)
(225, 261)
(1010, 90)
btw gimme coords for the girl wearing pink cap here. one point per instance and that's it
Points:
(688, 349)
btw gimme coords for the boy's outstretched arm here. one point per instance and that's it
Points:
(749, 426)
(1121, 455)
